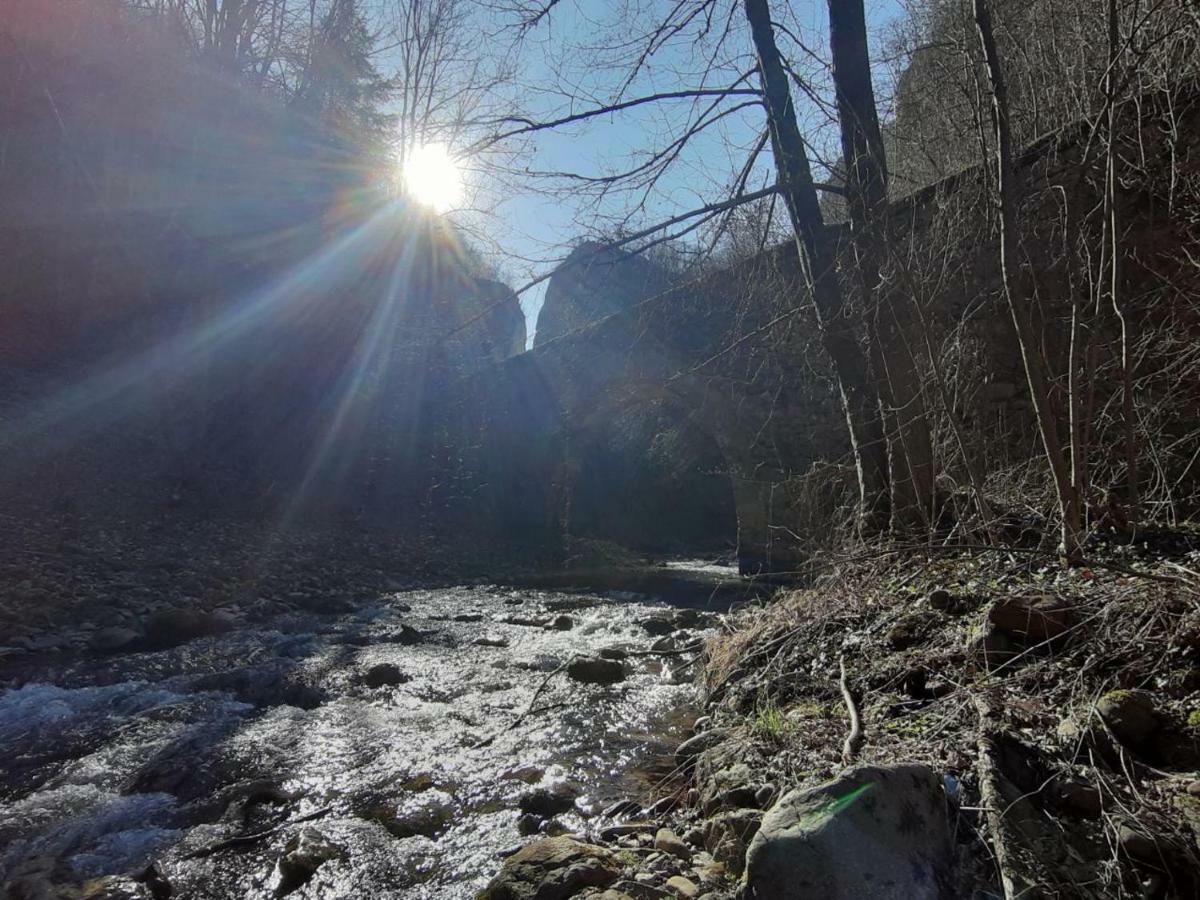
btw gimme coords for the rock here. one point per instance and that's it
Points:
(993, 648)
(527, 824)
(686, 753)
(910, 630)
(613, 653)
(1077, 798)
(490, 642)
(941, 600)
(594, 670)
(384, 675)
(668, 842)
(304, 854)
(111, 887)
(740, 797)
(682, 887)
(1031, 620)
(545, 802)
(622, 808)
(658, 626)
(727, 836)
(1130, 714)
(561, 623)
(873, 832)
(114, 639)
(552, 869)
(172, 627)
(1139, 845)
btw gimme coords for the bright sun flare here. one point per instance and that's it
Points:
(432, 177)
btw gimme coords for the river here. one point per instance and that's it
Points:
(389, 730)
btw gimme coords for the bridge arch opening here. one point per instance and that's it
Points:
(645, 475)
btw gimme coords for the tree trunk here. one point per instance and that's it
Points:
(818, 268)
(1035, 375)
(889, 319)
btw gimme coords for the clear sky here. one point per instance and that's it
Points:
(576, 59)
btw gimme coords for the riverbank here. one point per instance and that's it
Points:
(1046, 722)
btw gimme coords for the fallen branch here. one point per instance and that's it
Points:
(854, 739)
(528, 709)
(242, 840)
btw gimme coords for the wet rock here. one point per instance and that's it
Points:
(613, 653)
(561, 623)
(1130, 714)
(405, 634)
(874, 832)
(658, 626)
(490, 642)
(548, 801)
(469, 617)
(114, 639)
(304, 854)
(682, 887)
(427, 815)
(385, 675)
(668, 842)
(113, 887)
(1031, 620)
(594, 670)
(172, 627)
(553, 869)
(527, 824)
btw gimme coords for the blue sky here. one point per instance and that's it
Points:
(573, 61)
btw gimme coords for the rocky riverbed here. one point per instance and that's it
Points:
(398, 747)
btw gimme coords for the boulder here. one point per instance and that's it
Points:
(306, 852)
(875, 832)
(595, 670)
(552, 869)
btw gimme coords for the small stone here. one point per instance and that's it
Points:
(594, 670)
(658, 627)
(384, 675)
(561, 623)
(613, 653)
(668, 841)
(1130, 714)
(682, 887)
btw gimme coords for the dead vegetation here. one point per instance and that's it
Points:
(1062, 706)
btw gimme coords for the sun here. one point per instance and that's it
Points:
(432, 177)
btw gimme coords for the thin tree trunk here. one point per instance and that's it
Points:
(817, 266)
(1035, 375)
(890, 320)
(1132, 496)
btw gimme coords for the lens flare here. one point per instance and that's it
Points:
(432, 178)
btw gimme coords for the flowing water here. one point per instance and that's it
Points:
(112, 763)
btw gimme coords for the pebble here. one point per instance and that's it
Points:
(669, 842)
(682, 887)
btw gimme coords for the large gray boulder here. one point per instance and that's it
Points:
(878, 833)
